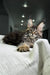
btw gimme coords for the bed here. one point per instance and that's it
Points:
(13, 62)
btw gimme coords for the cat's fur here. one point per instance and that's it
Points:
(25, 39)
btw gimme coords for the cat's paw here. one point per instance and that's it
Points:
(23, 48)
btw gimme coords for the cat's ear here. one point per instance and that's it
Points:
(40, 28)
(30, 23)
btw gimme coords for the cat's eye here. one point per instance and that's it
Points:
(30, 34)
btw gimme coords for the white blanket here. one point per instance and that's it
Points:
(26, 63)
(44, 57)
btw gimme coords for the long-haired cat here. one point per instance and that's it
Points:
(24, 40)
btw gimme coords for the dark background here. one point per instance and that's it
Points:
(11, 11)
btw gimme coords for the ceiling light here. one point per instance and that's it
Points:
(25, 5)
(22, 21)
(23, 16)
(33, 20)
(21, 24)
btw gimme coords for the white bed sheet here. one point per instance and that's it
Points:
(17, 63)
(26, 63)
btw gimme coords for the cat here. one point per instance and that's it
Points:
(24, 40)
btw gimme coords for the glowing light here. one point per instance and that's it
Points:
(33, 20)
(22, 21)
(21, 24)
(23, 16)
(25, 5)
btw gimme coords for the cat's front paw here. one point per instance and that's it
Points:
(23, 48)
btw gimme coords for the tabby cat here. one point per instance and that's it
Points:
(24, 40)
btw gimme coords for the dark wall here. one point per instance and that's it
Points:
(47, 15)
(3, 19)
(3, 24)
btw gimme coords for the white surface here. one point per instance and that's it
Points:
(17, 63)
(26, 63)
(44, 57)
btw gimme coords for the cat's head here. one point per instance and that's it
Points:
(38, 28)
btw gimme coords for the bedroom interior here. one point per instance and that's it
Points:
(14, 16)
